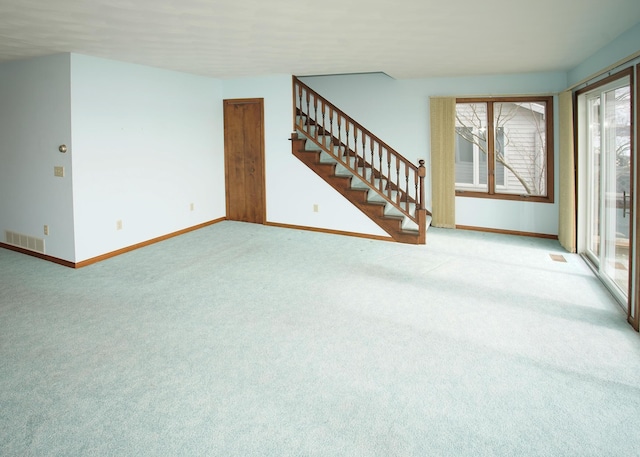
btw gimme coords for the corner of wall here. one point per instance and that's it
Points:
(36, 121)
(624, 47)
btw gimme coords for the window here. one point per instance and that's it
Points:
(504, 148)
(605, 146)
(471, 161)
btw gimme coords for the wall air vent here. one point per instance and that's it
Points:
(24, 241)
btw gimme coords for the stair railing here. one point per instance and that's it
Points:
(383, 169)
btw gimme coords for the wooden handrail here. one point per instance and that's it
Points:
(383, 169)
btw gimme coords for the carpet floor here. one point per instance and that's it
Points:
(249, 340)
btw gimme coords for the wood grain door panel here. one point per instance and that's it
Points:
(244, 159)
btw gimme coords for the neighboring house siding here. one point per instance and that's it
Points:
(523, 150)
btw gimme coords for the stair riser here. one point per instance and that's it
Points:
(366, 199)
(360, 193)
(357, 196)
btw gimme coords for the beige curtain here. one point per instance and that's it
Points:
(567, 191)
(443, 136)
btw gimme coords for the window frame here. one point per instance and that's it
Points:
(476, 158)
(493, 191)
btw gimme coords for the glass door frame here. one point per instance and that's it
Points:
(630, 302)
(634, 306)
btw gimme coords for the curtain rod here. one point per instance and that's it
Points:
(590, 79)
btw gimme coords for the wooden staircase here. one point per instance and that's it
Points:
(372, 176)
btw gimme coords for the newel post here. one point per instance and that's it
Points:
(422, 172)
(422, 212)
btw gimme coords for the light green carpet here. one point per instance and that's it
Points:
(245, 340)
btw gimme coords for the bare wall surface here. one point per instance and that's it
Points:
(148, 153)
(625, 45)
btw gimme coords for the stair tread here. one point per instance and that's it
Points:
(375, 203)
(393, 217)
(362, 187)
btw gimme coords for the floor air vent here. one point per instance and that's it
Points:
(24, 241)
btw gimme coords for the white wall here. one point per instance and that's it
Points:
(397, 111)
(291, 188)
(146, 144)
(627, 44)
(34, 120)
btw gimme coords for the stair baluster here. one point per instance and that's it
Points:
(354, 147)
(356, 157)
(373, 180)
(379, 166)
(398, 181)
(406, 187)
(389, 194)
(347, 147)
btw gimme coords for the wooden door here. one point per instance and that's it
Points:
(244, 159)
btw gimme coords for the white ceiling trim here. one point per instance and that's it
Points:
(405, 39)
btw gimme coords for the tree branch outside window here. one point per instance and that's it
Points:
(513, 135)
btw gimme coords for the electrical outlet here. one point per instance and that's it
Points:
(118, 224)
(191, 207)
(316, 208)
(46, 229)
(58, 171)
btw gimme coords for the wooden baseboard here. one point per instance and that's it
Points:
(133, 247)
(507, 232)
(333, 232)
(109, 255)
(48, 258)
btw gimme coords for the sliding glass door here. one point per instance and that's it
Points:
(606, 150)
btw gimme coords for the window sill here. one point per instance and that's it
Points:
(512, 197)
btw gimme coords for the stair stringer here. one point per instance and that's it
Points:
(358, 192)
(323, 140)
